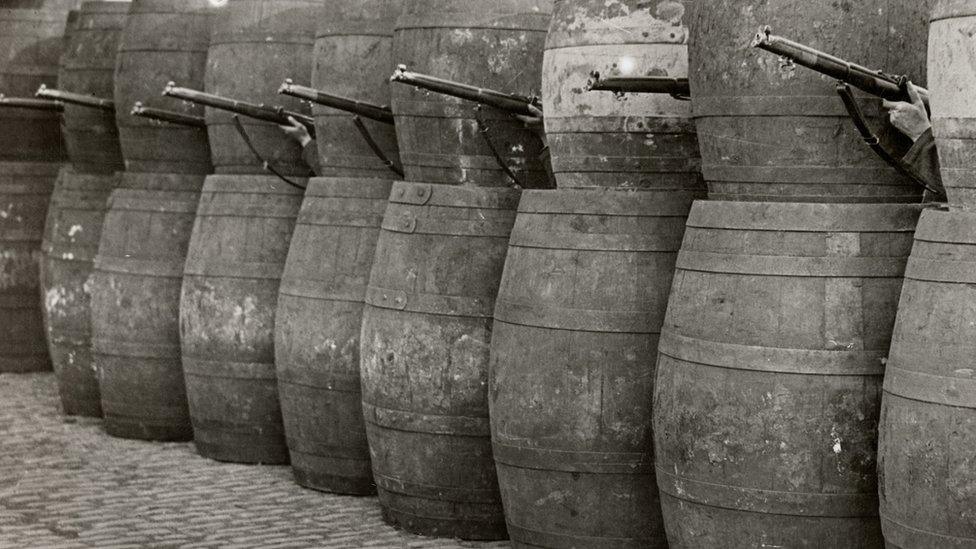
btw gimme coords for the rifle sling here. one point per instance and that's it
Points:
(364, 132)
(264, 163)
(484, 130)
(861, 123)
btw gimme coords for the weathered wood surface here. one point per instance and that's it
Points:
(771, 131)
(494, 44)
(227, 316)
(163, 41)
(254, 46)
(927, 440)
(31, 42)
(573, 348)
(74, 226)
(88, 68)
(769, 374)
(25, 188)
(135, 305)
(425, 341)
(952, 79)
(602, 139)
(353, 57)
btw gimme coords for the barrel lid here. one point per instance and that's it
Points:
(804, 217)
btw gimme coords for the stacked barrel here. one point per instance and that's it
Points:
(240, 236)
(139, 266)
(323, 286)
(586, 283)
(427, 323)
(31, 34)
(927, 433)
(781, 313)
(78, 204)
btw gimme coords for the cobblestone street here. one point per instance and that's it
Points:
(65, 484)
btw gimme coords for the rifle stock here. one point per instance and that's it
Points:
(32, 104)
(874, 82)
(514, 104)
(275, 115)
(676, 87)
(88, 101)
(378, 113)
(167, 116)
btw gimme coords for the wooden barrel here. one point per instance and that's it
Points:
(769, 374)
(927, 433)
(317, 327)
(255, 46)
(74, 225)
(135, 305)
(602, 139)
(163, 41)
(25, 188)
(88, 66)
(230, 291)
(30, 46)
(495, 44)
(425, 341)
(952, 77)
(773, 131)
(353, 58)
(577, 320)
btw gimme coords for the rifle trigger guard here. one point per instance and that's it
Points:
(872, 140)
(264, 163)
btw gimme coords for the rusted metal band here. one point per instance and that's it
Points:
(882, 177)
(773, 502)
(528, 21)
(79, 201)
(407, 221)
(205, 267)
(62, 251)
(768, 265)
(265, 38)
(152, 268)
(608, 203)
(317, 290)
(463, 161)
(934, 270)
(341, 27)
(367, 188)
(132, 203)
(151, 414)
(404, 192)
(227, 369)
(643, 37)
(783, 216)
(664, 241)
(936, 389)
(897, 534)
(581, 163)
(245, 184)
(434, 492)
(318, 381)
(399, 300)
(248, 210)
(540, 315)
(771, 359)
(538, 538)
(803, 106)
(600, 463)
(136, 349)
(431, 424)
(612, 126)
(323, 217)
(22, 235)
(315, 448)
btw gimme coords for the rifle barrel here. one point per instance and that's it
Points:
(89, 101)
(871, 81)
(514, 104)
(275, 115)
(640, 84)
(367, 110)
(167, 116)
(33, 104)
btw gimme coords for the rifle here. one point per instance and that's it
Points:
(359, 108)
(167, 116)
(33, 104)
(82, 100)
(677, 88)
(874, 82)
(273, 114)
(514, 104)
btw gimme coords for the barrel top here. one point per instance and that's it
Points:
(804, 217)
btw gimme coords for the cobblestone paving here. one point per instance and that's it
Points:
(65, 484)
